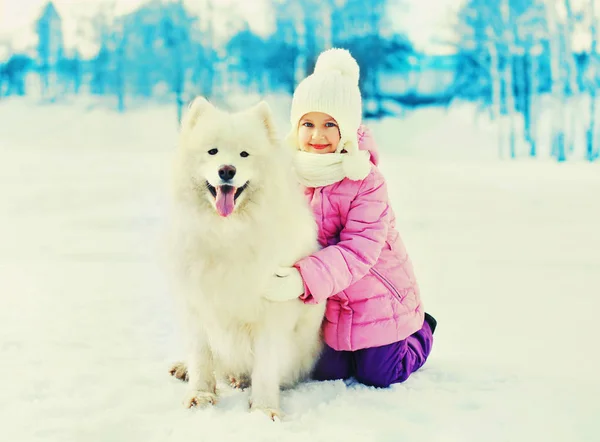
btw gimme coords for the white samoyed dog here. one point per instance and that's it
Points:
(239, 215)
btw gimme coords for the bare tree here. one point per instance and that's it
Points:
(209, 53)
(558, 85)
(532, 32)
(109, 34)
(119, 44)
(487, 36)
(591, 148)
(570, 73)
(508, 40)
(302, 57)
(176, 26)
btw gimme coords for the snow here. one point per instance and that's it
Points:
(506, 252)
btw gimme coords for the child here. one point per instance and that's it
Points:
(375, 328)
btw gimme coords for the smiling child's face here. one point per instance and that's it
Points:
(318, 133)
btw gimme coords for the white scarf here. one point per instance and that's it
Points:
(318, 170)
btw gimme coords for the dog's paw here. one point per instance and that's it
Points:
(200, 399)
(241, 382)
(179, 371)
(272, 413)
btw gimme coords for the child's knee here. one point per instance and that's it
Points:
(381, 366)
(374, 378)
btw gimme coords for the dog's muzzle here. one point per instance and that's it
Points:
(225, 197)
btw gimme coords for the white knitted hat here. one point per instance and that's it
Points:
(333, 89)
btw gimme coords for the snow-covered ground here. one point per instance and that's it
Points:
(508, 255)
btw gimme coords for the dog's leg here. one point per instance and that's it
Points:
(266, 372)
(202, 386)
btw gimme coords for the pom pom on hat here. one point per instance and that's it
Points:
(338, 60)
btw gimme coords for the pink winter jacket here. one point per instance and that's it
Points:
(363, 270)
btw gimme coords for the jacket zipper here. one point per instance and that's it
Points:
(322, 204)
(387, 283)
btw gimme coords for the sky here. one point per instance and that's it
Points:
(423, 20)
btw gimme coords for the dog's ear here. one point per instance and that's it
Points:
(263, 111)
(197, 107)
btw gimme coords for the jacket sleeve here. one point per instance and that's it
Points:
(336, 267)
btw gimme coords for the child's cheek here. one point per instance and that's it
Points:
(302, 137)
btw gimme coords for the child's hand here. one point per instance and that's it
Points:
(286, 284)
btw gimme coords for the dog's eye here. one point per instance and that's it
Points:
(213, 151)
(244, 154)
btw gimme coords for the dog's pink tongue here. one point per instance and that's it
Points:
(225, 200)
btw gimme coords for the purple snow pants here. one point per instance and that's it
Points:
(377, 366)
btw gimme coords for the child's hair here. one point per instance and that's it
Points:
(332, 89)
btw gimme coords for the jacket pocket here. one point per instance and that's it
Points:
(387, 283)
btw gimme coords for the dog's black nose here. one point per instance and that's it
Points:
(226, 173)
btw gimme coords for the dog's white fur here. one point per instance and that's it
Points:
(224, 264)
